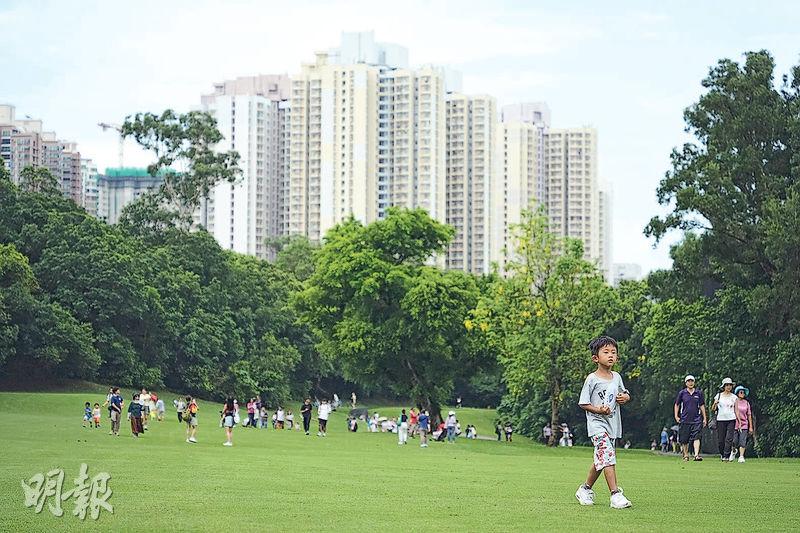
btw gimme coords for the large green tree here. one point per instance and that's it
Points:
(187, 157)
(389, 319)
(543, 315)
(39, 180)
(734, 191)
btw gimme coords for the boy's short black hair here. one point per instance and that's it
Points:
(87, 403)
(604, 340)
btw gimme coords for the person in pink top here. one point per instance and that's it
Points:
(744, 420)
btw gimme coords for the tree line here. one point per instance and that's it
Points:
(152, 302)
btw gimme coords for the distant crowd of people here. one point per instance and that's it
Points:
(145, 406)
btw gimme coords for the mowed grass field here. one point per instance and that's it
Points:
(286, 481)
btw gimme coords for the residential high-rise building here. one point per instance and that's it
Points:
(23, 143)
(333, 146)
(605, 230)
(471, 137)
(571, 186)
(250, 116)
(366, 133)
(518, 182)
(91, 192)
(412, 140)
(119, 187)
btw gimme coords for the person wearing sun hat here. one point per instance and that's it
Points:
(723, 405)
(744, 420)
(690, 404)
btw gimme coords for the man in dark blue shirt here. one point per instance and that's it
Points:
(689, 406)
(116, 410)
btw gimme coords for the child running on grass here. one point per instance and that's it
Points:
(87, 414)
(96, 415)
(601, 394)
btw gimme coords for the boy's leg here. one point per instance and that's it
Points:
(696, 447)
(610, 472)
(592, 477)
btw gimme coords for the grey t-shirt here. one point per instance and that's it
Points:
(598, 392)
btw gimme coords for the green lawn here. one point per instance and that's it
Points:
(274, 480)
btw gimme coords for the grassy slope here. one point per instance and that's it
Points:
(363, 482)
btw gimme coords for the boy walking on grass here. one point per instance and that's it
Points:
(601, 395)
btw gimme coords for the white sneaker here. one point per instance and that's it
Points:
(619, 501)
(193, 440)
(585, 496)
(732, 457)
(741, 458)
(227, 443)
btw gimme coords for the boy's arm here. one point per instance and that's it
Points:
(596, 409)
(677, 413)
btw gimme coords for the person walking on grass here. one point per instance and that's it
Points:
(664, 440)
(413, 422)
(323, 412)
(690, 404)
(87, 414)
(96, 415)
(190, 417)
(135, 411)
(744, 420)
(305, 411)
(144, 401)
(228, 413)
(116, 404)
(402, 429)
(450, 424)
(602, 394)
(723, 405)
(180, 406)
(424, 426)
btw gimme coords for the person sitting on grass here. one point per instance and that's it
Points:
(602, 393)
(87, 414)
(135, 416)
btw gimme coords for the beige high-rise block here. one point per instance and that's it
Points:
(471, 137)
(333, 136)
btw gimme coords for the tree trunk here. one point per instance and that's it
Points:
(554, 405)
(433, 408)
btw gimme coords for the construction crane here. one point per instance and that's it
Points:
(118, 129)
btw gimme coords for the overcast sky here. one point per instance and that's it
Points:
(627, 68)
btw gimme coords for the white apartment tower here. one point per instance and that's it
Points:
(91, 192)
(471, 136)
(251, 117)
(412, 140)
(572, 196)
(519, 174)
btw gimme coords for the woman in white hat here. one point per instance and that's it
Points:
(724, 403)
